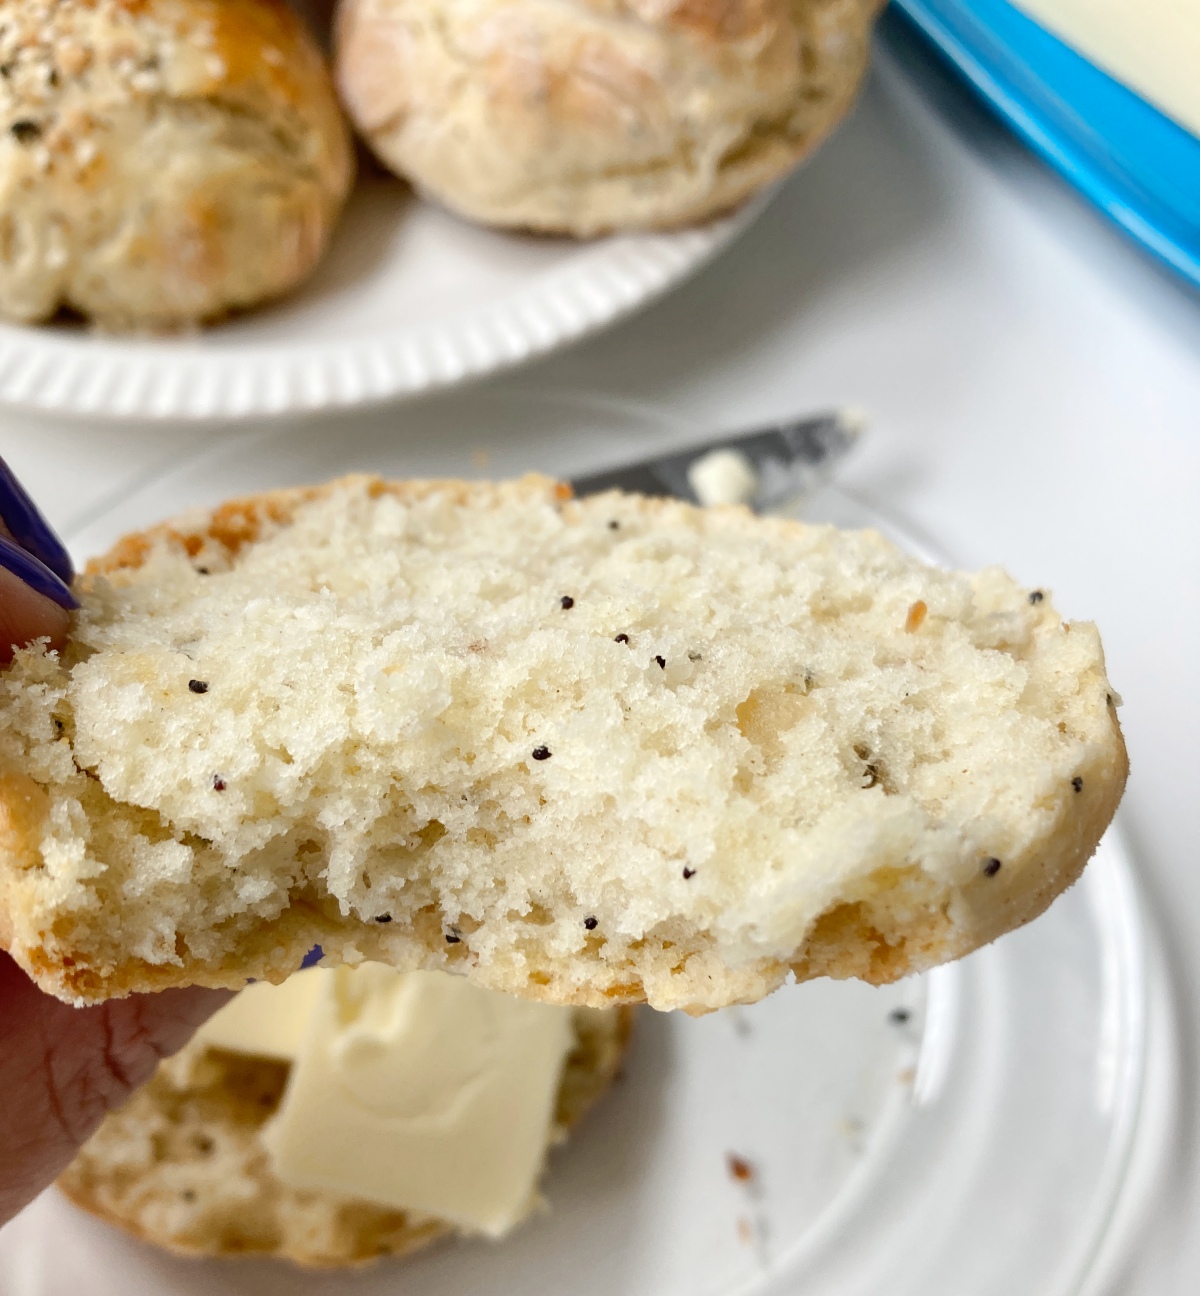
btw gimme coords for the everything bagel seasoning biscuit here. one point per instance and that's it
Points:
(750, 748)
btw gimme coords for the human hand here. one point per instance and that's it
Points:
(35, 573)
(63, 1068)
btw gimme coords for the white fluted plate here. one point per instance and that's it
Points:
(409, 299)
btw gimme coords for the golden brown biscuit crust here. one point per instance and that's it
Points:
(598, 115)
(162, 162)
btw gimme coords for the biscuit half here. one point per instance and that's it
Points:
(593, 751)
(181, 1165)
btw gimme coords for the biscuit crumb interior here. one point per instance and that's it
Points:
(730, 755)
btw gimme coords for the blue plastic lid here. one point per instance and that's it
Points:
(1131, 160)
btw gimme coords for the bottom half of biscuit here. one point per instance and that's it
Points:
(182, 1164)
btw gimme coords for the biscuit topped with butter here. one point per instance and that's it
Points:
(349, 1114)
(588, 751)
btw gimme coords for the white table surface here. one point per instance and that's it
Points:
(1034, 387)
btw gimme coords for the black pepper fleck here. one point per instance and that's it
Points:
(383, 918)
(1077, 783)
(621, 638)
(567, 602)
(662, 662)
(453, 936)
(991, 867)
(695, 656)
(218, 783)
(204, 571)
(898, 1016)
(189, 1195)
(541, 753)
(26, 131)
(688, 873)
(613, 524)
(591, 923)
(198, 686)
(1036, 597)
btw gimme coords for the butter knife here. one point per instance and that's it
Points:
(766, 468)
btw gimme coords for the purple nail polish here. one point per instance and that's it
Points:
(35, 574)
(29, 529)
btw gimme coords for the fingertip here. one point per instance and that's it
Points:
(26, 616)
(175, 1014)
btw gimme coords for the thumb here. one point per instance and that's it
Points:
(25, 613)
(35, 572)
(62, 1069)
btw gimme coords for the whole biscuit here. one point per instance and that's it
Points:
(597, 115)
(162, 162)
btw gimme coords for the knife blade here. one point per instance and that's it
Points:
(765, 468)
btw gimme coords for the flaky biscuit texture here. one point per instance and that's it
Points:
(592, 751)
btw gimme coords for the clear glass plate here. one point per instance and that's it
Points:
(995, 1127)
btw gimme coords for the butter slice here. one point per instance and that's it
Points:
(266, 1020)
(422, 1092)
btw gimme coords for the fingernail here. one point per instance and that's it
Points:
(29, 529)
(35, 574)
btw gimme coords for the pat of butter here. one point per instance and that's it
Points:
(422, 1092)
(1153, 46)
(266, 1020)
(723, 477)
